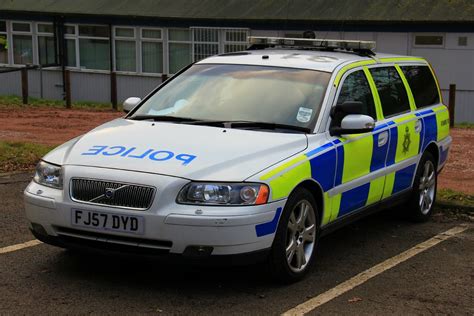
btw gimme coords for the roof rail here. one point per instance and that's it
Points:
(365, 48)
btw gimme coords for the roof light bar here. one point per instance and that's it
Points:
(312, 43)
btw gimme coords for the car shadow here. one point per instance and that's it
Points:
(340, 255)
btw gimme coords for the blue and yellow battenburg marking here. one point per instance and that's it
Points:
(346, 159)
(135, 153)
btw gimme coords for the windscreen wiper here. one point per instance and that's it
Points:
(263, 125)
(268, 125)
(163, 118)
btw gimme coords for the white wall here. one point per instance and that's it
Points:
(453, 64)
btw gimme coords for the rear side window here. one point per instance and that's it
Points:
(392, 93)
(422, 85)
(356, 88)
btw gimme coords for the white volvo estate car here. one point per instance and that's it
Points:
(253, 154)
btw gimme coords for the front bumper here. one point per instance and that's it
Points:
(170, 228)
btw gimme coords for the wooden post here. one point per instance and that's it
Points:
(67, 88)
(113, 89)
(24, 85)
(452, 103)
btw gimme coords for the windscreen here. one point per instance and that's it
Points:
(241, 93)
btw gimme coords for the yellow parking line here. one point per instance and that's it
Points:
(372, 272)
(16, 247)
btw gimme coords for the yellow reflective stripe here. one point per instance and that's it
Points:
(440, 108)
(375, 191)
(400, 59)
(407, 88)
(327, 209)
(442, 121)
(408, 140)
(282, 185)
(283, 167)
(357, 157)
(375, 93)
(436, 81)
(388, 187)
(335, 205)
(349, 67)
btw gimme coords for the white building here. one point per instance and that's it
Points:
(142, 40)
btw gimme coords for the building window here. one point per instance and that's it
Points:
(3, 43)
(462, 41)
(235, 40)
(152, 50)
(179, 49)
(70, 34)
(125, 49)
(22, 43)
(46, 45)
(206, 42)
(94, 49)
(429, 40)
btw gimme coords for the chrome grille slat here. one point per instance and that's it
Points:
(127, 195)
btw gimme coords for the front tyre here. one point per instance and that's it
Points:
(294, 247)
(424, 189)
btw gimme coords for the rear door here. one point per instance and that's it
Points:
(403, 125)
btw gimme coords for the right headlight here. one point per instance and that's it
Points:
(49, 175)
(223, 194)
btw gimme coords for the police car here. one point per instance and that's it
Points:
(253, 154)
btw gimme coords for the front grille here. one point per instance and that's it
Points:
(108, 241)
(114, 194)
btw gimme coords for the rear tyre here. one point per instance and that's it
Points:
(294, 246)
(424, 189)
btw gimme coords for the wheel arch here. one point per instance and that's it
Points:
(433, 149)
(317, 192)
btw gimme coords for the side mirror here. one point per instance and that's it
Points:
(348, 107)
(130, 103)
(354, 124)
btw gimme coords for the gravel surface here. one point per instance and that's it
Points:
(45, 280)
(53, 126)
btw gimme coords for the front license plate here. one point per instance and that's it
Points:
(108, 221)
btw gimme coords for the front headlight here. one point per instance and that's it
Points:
(223, 194)
(49, 175)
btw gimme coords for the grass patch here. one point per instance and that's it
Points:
(448, 195)
(13, 100)
(16, 156)
(464, 125)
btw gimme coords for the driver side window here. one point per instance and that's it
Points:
(356, 88)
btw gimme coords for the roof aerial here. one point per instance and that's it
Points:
(365, 48)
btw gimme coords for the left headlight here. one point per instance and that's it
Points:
(49, 175)
(223, 194)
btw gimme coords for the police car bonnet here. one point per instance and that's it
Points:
(188, 151)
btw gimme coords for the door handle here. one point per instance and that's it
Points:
(418, 126)
(383, 138)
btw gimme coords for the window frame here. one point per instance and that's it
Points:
(401, 75)
(74, 37)
(436, 83)
(142, 40)
(135, 39)
(37, 36)
(8, 37)
(415, 35)
(34, 46)
(190, 42)
(226, 42)
(110, 39)
(341, 83)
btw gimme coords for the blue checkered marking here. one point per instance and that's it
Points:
(392, 146)
(269, 227)
(354, 199)
(403, 178)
